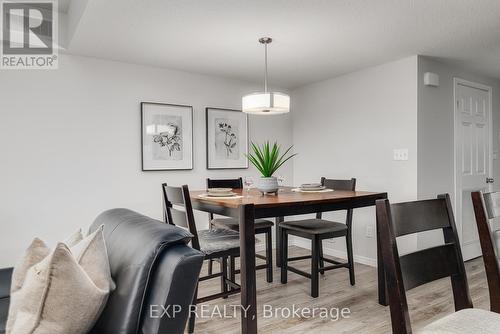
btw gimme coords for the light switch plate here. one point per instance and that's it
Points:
(401, 154)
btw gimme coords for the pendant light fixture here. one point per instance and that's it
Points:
(266, 103)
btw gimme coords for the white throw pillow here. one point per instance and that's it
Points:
(65, 292)
(74, 238)
(35, 253)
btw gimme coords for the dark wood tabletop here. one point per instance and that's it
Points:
(285, 197)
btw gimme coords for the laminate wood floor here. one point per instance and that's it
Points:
(426, 303)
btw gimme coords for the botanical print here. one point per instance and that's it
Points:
(226, 139)
(167, 136)
(167, 143)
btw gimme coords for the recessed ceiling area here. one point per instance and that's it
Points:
(313, 40)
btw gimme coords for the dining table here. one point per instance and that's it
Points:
(250, 204)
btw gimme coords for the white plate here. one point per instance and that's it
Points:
(310, 185)
(219, 190)
(326, 190)
(228, 194)
(313, 189)
(208, 197)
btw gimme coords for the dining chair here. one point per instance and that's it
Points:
(317, 230)
(487, 207)
(423, 266)
(213, 243)
(262, 226)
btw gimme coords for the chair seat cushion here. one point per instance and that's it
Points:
(233, 223)
(218, 240)
(465, 321)
(315, 226)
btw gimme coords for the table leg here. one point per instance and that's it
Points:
(382, 289)
(277, 231)
(247, 258)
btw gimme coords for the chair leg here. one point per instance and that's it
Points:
(210, 262)
(192, 315)
(223, 284)
(232, 270)
(350, 258)
(269, 256)
(314, 267)
(321, 262)
(284, 256)
(210, 266)
(277, 231)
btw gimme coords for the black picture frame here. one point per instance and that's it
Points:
(208, 142)
(191, 137)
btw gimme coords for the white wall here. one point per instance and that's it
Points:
(348, 127)
(70, 143)
(436, 133)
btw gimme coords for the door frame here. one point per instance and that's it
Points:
(456, 146)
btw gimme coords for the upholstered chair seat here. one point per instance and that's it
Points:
(234, 224)
(466, 321)
(218, 240)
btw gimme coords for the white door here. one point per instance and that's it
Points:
(473, 159)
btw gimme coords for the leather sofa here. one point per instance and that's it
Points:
(153, 267)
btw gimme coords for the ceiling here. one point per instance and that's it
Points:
(313, 39)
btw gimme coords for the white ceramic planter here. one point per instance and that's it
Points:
(267, 184)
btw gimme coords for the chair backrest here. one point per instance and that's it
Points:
(178, 210)
(339, 184)
(334, 184)
(487, 206)
(423, 266)
(223, 183)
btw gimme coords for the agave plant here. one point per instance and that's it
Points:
(267, 159)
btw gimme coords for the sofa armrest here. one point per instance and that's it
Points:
(5, 280)
(173, 284)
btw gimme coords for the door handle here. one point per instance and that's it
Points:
(490, 180)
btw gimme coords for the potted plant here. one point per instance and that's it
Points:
(267, 159)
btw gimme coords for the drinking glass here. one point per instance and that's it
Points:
(281, 181)
(247, 185)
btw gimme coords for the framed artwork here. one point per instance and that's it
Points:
(227, 138)
(167, 136)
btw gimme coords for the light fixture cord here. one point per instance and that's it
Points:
(265, 62)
